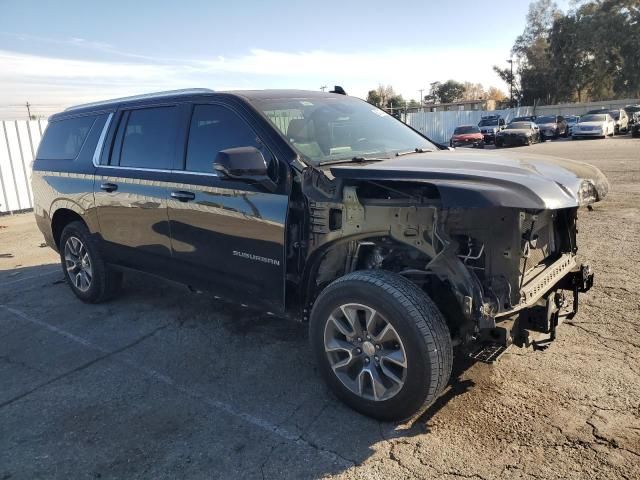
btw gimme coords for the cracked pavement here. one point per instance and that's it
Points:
(163, 383)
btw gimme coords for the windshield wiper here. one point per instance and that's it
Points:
(415, 150)
(354, 160)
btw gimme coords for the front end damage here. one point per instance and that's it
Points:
(501, 275)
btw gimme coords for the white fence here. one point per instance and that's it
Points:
(439, 126)
(19, 140)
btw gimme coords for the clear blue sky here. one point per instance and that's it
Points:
(60, 52)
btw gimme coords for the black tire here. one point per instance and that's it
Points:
(498, 144)
(420, 326)
(105, 281)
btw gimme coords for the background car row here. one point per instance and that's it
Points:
(526, 130)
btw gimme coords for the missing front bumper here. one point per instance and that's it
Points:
(536, 324)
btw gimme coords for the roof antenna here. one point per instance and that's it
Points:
(338, 89)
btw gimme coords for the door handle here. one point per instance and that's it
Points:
(109, 187)
(183, 196)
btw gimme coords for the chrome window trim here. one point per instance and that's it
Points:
(98, 151)
(158, 170)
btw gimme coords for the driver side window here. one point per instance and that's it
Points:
(214, 128)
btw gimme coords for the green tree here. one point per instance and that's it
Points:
(373, 97)
(589, 53)
(385, 97)
(447, 92)
(506, 76)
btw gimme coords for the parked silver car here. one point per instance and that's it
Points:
(599, 125)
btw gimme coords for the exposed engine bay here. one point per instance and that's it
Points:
(483, 267)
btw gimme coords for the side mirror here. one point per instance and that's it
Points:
(245, 164)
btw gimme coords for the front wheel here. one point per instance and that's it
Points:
(381, 344)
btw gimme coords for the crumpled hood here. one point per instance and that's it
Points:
(483, 179)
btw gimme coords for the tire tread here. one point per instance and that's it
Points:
(424, 313)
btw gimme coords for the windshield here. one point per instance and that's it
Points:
(547, 119)
(487, 122)
(615, 114)
(334, 128)
(466, 129)
(573, 119)
(518, 126)
(593, 118)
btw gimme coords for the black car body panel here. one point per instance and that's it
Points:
(154, 203)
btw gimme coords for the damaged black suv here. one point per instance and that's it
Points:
(323, 208)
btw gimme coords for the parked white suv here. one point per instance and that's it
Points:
(622, 120)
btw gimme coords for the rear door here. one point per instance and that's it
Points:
(131, 187)
(227, 236)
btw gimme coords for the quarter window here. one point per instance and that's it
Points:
(214, 128)
(64, 138)
(149, 138)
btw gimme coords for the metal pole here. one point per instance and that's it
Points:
(511, 83)
(511, 93)
(28, 111)
(421, 98)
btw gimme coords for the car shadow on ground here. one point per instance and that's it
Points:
(239, 384)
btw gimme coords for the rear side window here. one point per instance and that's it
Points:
(214, 128)
(149, 138)
(64, 138)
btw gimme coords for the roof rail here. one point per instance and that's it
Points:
(168, 93)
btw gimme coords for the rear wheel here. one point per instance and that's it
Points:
(381, 344)
(90, 279)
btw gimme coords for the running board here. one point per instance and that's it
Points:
(488, 352)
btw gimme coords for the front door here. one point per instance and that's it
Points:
(227, 237)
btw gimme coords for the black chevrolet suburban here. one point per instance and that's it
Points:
(320, 207)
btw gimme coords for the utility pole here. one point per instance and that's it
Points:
(421, 98)
(28, 111)
(511, 83)
(323, 88)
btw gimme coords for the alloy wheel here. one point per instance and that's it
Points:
(78, 263)
(365, 352)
